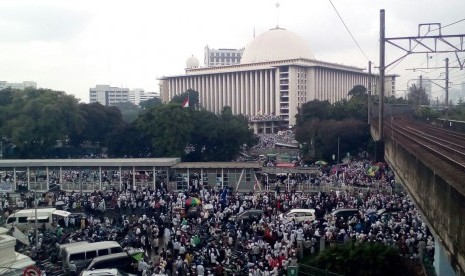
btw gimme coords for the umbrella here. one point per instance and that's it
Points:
(193, 201)
(138, 256)
(371, 171)
(321, 162)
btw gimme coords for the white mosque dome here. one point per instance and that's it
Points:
(276, 44)
(192, 62)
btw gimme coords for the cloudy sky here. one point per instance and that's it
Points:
(74, 45)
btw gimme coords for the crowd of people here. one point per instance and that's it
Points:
(268, 141)
(179, 239)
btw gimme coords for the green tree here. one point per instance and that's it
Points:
(313, 109)
(458, 112)
(99, 122)
(417, 96)
(319, 124)
(362, 259)
(129, 111)
(193, 98)
(150, 103)
(168, 128)
(35, 119)
(129, 142)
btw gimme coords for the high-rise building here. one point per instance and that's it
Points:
(222, 57)
(138, 95)
(19, 85)
(277, 74)
(107, 95)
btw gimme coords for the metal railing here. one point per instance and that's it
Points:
(314, 271)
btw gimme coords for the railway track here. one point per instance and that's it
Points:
(447, 145)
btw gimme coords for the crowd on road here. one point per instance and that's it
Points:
(268, 141)
(205, 239)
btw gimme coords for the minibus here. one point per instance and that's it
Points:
(81, 255)
(26, 219)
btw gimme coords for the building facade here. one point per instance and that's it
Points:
(277, 74)
(138, 95)
(19, 85)
(108, 95)
(222, 57)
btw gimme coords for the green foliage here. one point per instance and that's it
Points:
(319, 124)
(362, 259)
(427, 113)
(34, 122)
(313, 109)
(150, 103)
(193, 99)
(168, 127)
(458, 112)
(99, 122)
(417, 96)
(128, 141)
(35, 119)
(171, 129)
(129, 111)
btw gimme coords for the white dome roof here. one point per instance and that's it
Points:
(276, 44)
(192, 62)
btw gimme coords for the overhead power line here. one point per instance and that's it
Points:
(450, 24)
(347, 28)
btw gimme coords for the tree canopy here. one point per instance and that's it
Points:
(33, 120)
(321, 126)
(370, 258)
(193, 98)
(196, 135)
(38, 123)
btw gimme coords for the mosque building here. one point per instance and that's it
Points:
(277, 74)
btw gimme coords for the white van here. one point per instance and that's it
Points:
(298, 215)
(25, 219)
(105, 272)
(62, 248)
(82, 254)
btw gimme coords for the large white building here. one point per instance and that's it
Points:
(108, 95)
(17, 85)
(222, 57)
(277, 74)
(138, 95)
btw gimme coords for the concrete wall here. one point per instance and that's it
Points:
(443, 206)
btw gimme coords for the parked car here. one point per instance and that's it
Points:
(298, 215)
(344, 213)
(122, 261)
(389, 210)
(250, 215)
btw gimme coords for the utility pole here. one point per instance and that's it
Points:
(36, 224)
(447, 88)
(369, 93)
(420, 94)
(80, 180)
(381, 74)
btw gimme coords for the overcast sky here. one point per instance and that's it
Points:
(74, 45)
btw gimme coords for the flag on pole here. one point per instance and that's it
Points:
(185, 103)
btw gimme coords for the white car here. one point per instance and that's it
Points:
(105, 272)
(298, 215)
